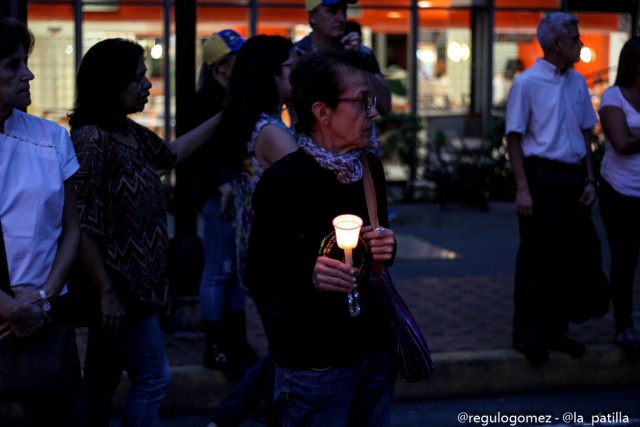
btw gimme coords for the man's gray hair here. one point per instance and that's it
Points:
(552, 26)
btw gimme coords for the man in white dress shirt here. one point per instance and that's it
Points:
(549, 120)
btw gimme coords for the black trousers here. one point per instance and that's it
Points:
(547, 255)
(621, 218)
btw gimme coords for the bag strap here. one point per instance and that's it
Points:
(370, 192)
(4, 267)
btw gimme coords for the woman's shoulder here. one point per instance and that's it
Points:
(613, 96)
(133, 125)
(374, 163)
(292, 163)
(24, 124)
(265, 119)
(268, 126)
(292, 169)
(288, 176)
(612, 91)
(275, 129)
(89, 134)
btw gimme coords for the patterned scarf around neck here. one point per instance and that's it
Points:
(347, 167)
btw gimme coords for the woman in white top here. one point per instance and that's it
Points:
(620, 190)
(40, 234)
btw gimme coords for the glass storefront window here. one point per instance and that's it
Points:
(444, 61)
(52, 62)
(443, 57)
(53, 58)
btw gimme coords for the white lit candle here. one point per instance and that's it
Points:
(347, 234)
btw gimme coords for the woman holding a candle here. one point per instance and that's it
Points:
(334, 366)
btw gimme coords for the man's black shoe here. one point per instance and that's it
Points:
(562, 343)
(535, 352)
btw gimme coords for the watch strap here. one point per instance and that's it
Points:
(46, 305)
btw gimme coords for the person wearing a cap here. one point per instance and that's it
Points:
(218, 57)
(222, 299)
(327, 19)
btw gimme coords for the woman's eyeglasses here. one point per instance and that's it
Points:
(368, 101)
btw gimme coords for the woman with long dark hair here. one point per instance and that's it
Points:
(253, 137)
(251, 129)
(124, 241)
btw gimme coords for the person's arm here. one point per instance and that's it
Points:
(113, 313)
(92, 183)
(65, 254)
(67, 243)
(185, 145)
(274, 143)
(589, 194)
(614, 124)
(524, 202)
(383, 94)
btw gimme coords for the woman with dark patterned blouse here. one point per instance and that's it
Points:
(124, 238)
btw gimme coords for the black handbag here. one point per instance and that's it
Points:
(412, 352)
(44, 361)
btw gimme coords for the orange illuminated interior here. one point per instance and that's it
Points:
(595, 27)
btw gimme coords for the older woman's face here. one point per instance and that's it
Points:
(136, 94)
(351, 124)
(14, 80)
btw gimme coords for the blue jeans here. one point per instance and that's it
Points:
(139, 349)
(220, 289)
(246, 395)
(358, 395)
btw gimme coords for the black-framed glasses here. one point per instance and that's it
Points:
(368, 101)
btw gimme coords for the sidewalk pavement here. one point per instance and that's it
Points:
(454, 267)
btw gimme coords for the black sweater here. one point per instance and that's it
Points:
(295, 203)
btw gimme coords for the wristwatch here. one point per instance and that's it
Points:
(46, 305)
